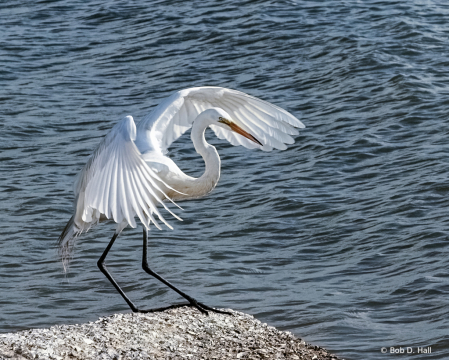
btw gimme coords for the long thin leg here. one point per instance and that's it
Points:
(101, 265)
(201, 307)
(103, 269)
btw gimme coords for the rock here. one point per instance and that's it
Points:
(171, 334)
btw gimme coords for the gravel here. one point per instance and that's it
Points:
(182, 333)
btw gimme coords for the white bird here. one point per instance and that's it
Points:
(129, 173)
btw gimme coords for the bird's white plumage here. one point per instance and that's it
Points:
(117, 183)
(270, 124)
(129, 175)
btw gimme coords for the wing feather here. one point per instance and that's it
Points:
(147, 197)
(257, 126)
(137, 196)
(113, 193)
(247, 125)
(255, 114)
(264, 127)
(269, 120)
(174, 116)
(127, 192)
(117, 182)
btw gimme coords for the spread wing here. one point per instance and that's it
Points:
(270, 124)
(117, 183)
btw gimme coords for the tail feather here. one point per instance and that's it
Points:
(72, 230)
(66, 242)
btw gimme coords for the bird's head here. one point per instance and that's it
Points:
(223, 120)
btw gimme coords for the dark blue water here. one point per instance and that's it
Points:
(341, 239)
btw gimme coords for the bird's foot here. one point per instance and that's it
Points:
(192, 303)
(200, 307)
(204, 308)
(214, 310)
(136, 310)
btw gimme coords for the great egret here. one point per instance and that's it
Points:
(129, 174)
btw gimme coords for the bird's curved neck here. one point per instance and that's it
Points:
(209, 179)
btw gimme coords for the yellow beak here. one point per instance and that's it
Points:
(234, 127)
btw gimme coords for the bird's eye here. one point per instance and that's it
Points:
(223, 120)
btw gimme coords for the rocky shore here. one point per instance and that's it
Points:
(180, 333)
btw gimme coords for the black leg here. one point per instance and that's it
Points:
(192, 302)
(103, 269)
(201, 307)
